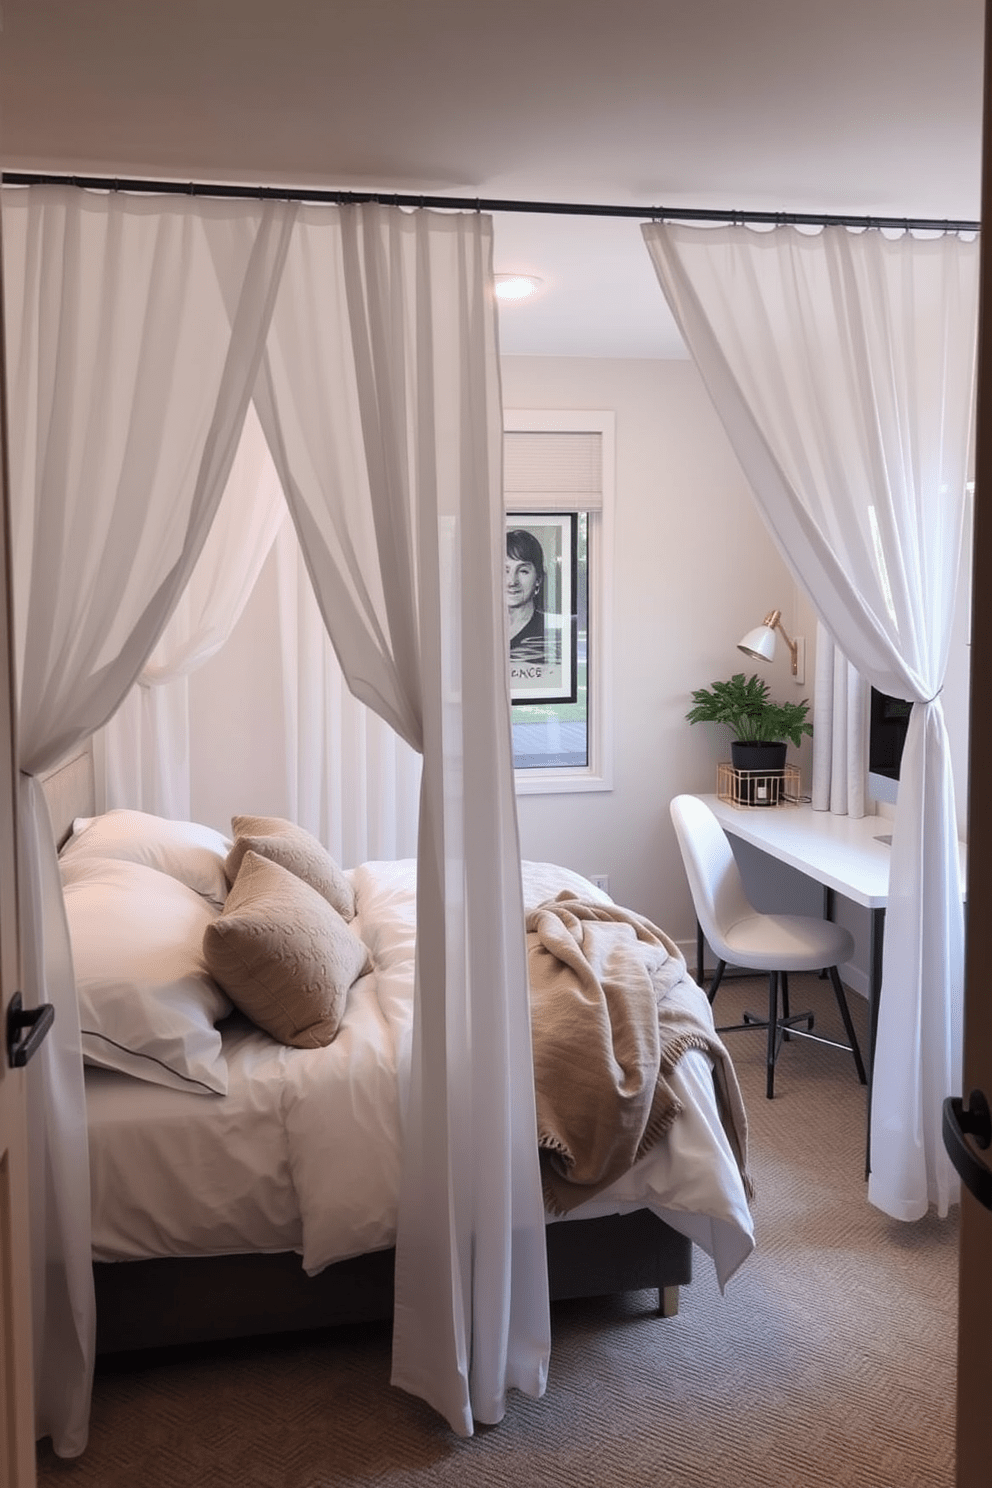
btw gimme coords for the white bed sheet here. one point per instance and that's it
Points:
(303, 1152)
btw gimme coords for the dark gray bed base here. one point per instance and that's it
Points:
(159, 1303)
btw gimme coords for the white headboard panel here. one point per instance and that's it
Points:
(70, 792)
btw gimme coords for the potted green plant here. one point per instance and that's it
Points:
(762, 729)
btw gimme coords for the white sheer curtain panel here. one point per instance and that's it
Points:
(840, 731)
(144, 748)
(381, 403)
(843, 366)
(350, 778)
(129, 373)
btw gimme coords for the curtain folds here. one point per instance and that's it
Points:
(145, 745)
(842, 365)
(350, 779)
(840, 731)
(386, 432)
(134, 330)
(138, 332)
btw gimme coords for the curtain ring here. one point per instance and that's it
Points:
(935, 696)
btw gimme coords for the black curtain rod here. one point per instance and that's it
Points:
(484, 204)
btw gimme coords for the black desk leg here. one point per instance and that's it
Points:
(876, 933)
(699, 954)
(828, 914)
(875, 938)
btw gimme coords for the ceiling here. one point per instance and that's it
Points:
(859, 106)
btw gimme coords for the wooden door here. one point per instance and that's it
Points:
(974, 1447)
(17, 1450)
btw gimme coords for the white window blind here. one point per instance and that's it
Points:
(553, 470)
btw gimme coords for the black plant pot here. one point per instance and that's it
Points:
(762, 771)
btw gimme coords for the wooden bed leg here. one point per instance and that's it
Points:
(668, 1301)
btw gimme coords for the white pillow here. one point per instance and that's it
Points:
(185, 850)
(147, 1003)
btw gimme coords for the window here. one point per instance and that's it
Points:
(558, 472)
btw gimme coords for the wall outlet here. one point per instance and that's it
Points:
(601, 880)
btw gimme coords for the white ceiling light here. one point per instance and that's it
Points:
(516, 286)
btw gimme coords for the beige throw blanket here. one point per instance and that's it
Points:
(613, 1009)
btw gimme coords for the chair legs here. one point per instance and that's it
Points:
(781, 1022)
(778, 1023)
(845, 1013)
(787, 1023)
(751, 1020)
(774, 1034)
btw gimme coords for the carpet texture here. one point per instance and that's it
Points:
(830, 1360)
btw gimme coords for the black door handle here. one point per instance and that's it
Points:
(26, 1030)
(973, 1120)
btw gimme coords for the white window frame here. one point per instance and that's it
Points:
(597, 775)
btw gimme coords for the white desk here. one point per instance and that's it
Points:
(843, 853)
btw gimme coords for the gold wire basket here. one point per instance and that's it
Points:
(756, 789)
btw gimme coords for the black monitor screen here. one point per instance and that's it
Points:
(887, 733)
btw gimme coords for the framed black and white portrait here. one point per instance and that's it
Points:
(540, 584)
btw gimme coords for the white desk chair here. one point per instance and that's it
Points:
(740, 936)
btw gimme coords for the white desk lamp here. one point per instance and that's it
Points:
(760, 642)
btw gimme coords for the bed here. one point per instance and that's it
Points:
(244, 1185)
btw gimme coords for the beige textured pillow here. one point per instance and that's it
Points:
(283, 955)
(294, 848)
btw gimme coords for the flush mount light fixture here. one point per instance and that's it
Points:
(516, 286)
(760, 643)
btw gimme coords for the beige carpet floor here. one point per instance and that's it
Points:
(830, 1360)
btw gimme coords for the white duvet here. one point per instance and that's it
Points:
(303, 1152)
